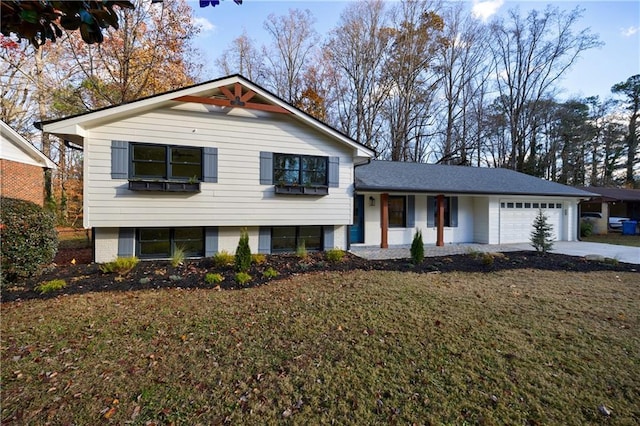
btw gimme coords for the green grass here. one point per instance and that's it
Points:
(351, 348)
(614, 238)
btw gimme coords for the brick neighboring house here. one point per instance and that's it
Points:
(22, 167)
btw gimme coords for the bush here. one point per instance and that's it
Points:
(223, 259)
(49, 286)
(213, 278)
(270, 273)
(586, 228)
(121, 265)
(335, 255)
(301, 250)
(417, 248)
(258, 258)
(242, 278)
(178, 257)
(541, 236)
(243, 252)
(29, 238)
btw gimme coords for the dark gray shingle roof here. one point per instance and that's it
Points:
(434, 178)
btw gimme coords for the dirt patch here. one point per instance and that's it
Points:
(75, 267)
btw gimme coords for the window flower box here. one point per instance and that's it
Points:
(163, 186)
(301, 190)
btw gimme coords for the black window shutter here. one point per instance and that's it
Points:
(210, 165)
(454, 212)
(264, 240)
(126, 238)
(119, 160)
(210, 241)
(329, 239)
(266, 168)
(334, 172)
(411, 211)
(431, 211)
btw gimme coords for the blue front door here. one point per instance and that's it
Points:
(357, 229)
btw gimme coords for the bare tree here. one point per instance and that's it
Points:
(293, 43)
(242, 57)
(530, 55)
(411, 77)
(357, 48)
(464, 80)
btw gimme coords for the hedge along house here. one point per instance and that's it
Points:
(22, 167)
(456, 204)
(192, 167)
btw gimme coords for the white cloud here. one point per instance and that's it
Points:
(485, 9)
(628, 32)
(204, 24)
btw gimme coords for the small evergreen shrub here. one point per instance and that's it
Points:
(270, 273)
(213, 278)
(121, 265)
(541, 235)
(178, 257)
(243, 252)
(586, 228)
(417, 248)
(223, 259)
(258, 258)
(242, 278)
(301, 250)
(49, 286)
(334, 255)
(29, 238)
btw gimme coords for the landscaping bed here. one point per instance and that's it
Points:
(73, 265)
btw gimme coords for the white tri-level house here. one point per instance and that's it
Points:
(191, 168)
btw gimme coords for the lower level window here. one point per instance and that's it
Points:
(163, 242)
(289, 238)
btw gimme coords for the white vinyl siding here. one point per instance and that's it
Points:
(237, 199)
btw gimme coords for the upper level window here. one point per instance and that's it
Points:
(166, 162)
(302, 170)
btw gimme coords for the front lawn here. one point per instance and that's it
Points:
(614, 238)
(517, 346)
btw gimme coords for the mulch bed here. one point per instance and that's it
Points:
(86, 277)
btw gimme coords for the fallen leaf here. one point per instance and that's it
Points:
(110, 412)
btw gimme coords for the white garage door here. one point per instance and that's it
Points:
(517, 216)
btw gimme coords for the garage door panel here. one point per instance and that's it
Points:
(516, 220)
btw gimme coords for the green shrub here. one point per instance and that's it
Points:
(270, 273)
(488, 259)
(301, 250)
(213, 278)
(242, 278)
(121, 265)
(541, 235)
(243, 252)
(29, 238)
(258, 258)
(223, 259)
(586, 228)
(178, 257)
(49, 286)
(334, 255)
(417, 248)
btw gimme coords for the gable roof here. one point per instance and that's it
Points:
(614, 194)
(73, 128)
(17, 148)
(435, 178)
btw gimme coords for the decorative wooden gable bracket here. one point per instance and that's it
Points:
(234, 100)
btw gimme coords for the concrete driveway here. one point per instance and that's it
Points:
(573, 248)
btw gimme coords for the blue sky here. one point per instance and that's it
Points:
(616, 22)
